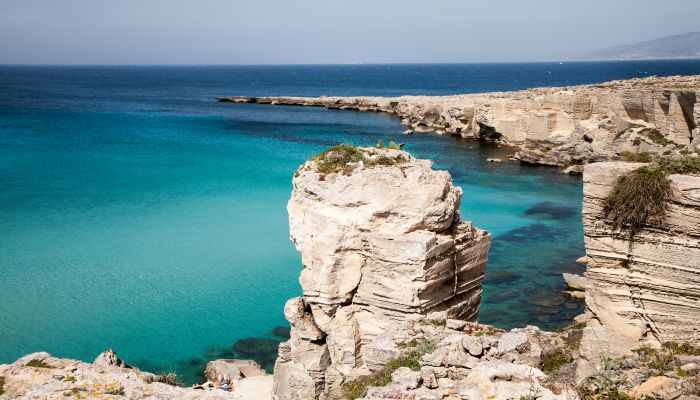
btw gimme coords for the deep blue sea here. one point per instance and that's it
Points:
(138, 213)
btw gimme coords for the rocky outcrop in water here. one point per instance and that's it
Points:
(552, 126)
(383, 247)
(644, 288)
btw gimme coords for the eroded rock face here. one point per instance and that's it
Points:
(552, 126)
(647, 288)
(383, 246)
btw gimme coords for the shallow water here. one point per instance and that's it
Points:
(139, 214)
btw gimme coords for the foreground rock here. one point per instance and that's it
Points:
(41, 376)
(552, 126)
(383, 247)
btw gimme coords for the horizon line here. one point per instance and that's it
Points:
(337, 64)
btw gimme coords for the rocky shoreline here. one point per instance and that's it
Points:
(557, 126)
(391, 295)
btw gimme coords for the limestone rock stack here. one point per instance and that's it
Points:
(647, 288)
(383, 247)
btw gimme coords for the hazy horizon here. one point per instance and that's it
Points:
(311, 32)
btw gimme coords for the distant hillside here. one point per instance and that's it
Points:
(686, 45)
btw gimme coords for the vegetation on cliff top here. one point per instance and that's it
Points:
(642, 196)
(357, 388)
(340, 158)
(38, 364)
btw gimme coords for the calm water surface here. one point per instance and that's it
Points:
(139, 214)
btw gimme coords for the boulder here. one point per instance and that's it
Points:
(109, 358)
(658, 387)
(406, 378)
(497, 380)
(233, 369)
(513, 341)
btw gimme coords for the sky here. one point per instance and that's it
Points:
(327, 31)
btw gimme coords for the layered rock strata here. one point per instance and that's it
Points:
(553, 126)
(383, 247)
(644, 288)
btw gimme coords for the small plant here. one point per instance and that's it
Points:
(636, 157)
(69, 379)
(168, 379)
(556, 358)
(38, 364)
(357, 387)
(395, 146)
(116, 392)
(392, 145)
(2, 385)
(438, 322)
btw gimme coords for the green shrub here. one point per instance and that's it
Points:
(38, 364)
(357, 387)
(2, 385)
(638, 198)
(662, 359)
(554, 359)
(642, 196)
(656, 136)
(116, 392)
(168, 379)
(684, 165)
(336, 158)
(636, 157)
(600, 388)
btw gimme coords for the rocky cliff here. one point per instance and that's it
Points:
(552, 126)
(383, 247)
(646, 287)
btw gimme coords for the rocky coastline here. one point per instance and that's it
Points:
(391, 290)
(557, 126)
(392, 273)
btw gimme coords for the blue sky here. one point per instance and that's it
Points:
(327, 31)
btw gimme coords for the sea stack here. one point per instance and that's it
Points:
(383, 247)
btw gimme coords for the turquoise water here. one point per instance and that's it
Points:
(137, 213)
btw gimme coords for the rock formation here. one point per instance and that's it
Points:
(646, 289)
(232, 369)
(552, 126)
(41, 376)
(383, 247)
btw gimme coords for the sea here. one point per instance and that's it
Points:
(139, 214)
